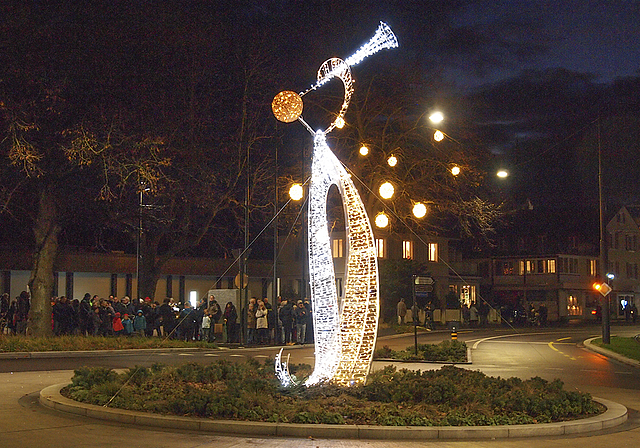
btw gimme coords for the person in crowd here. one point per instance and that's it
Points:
(473, 315)
(415, 313)
(117, 305)
(139, 323)
(205, 328)
(428, 317)
(401, 311)
(106, 318)
(129, 307)
(118, 327)
(149, 312)
(271, 322)
(300, 317)
(187, 323)
(214, 309)
(4, 309)
(166, 318)
(63, 317)
(84, 315)
(96, 321)
(309, 328)
(230, 316)
(286, 317)
(251, 323)
(21, 316)
(127, 325)
(262, 323)
(11, 314)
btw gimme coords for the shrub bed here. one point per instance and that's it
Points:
(446, 351)
(249, 391)
(11, 343)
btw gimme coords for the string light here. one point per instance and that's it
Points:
(364, 150)
(438, 136)
(296, 192)
(382, 220)
(455, 170)
(392, 161)
(419, 210)
(386, 190)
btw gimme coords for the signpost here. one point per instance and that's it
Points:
(422, 286)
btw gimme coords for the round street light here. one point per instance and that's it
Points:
(296, 192)
(419, 210)
(382, 220)
(436, 117)
(364, 150)
(455, 170)
(502, 174)
(386, 190)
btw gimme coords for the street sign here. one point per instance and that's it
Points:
(236, 280)
(423, 280)
(604, 289)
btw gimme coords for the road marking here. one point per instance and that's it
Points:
(260, 356)
(562, 339)
(210, 354)
(475, 346)
(550, 344)
(185, 354)
(238, 356)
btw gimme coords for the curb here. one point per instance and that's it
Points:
(615, 415)
(91, 353)
(609, 353)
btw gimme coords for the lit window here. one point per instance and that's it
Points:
(338, 248)
(551, 266)
(193, 298)
(380, 247)
(433, 251)
(407, 249)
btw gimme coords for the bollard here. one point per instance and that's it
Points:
(454, 335)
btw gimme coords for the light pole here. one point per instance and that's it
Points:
(604, 256)
(139, 255)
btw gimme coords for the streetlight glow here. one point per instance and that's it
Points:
(438, 136)
(296, 192)
(502, 174)
(382, 220)
(419, 210)
(455, 170)
(386, 190)
(436, 117)
(392, 160)
(364, 150)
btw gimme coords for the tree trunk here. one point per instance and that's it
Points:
(46, 231)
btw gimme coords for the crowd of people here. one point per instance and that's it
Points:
(289, 323)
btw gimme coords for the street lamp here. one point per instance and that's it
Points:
(436, 117)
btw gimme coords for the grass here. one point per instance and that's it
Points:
(446, 351)
(629, 347)
(249, 391)
(10, 343)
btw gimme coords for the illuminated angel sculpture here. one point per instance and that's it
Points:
(345, 331)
